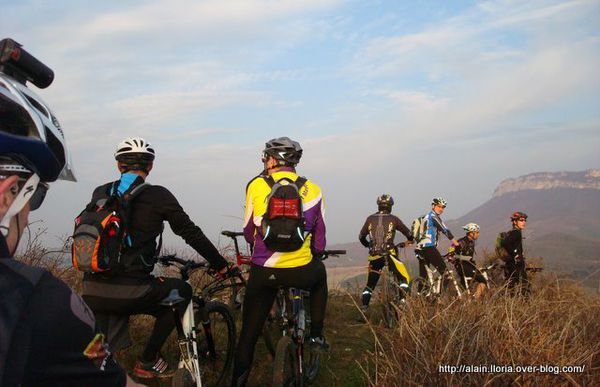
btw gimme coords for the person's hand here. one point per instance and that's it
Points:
(454, 243)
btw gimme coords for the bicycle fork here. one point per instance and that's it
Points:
(188, 346)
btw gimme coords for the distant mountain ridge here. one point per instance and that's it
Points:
(589, 179)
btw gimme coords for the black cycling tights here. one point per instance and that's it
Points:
(261, 291)
(375, 267)
(430, 255)
(147, 304)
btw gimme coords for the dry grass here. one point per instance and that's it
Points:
(558, 325)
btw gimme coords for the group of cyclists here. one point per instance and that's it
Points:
(379, 231)
(51, 336)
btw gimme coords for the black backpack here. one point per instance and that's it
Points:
(283, 223)
(101, 232)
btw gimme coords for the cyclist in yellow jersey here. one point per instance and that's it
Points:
(274, 265)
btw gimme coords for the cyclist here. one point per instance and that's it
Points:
(378, 234)
(48, 335)
(271, 270)
(464, 260)
(131, 289)
(514, 261)
(426, 250)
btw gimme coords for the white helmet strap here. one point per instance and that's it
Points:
(20, 201)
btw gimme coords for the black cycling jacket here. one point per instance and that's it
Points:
(48, 335)
(391, 224)
(150, 208)
(513, 244)
(466, 247)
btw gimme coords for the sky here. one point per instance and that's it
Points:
(412, 98)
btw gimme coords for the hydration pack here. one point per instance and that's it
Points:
(499, 248)
(379, 234)
(101, 232)
(419, 228)
(283, 223)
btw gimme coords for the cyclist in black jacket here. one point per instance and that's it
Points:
(514, 261)
(132, 289)
(464, 259)
(48, 335)
(378, 234)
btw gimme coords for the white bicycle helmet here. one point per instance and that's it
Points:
(439, 202)
(30, 133)
(471, 227)
(134, 146)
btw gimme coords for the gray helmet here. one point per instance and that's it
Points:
(284, 149)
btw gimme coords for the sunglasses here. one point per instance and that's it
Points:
(522, 220)
(39, 194)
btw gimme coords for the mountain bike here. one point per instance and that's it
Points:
(295, 365)
(206, 331)
(436, 284)
(393, 292)
(236, 287)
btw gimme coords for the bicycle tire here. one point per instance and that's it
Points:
(420, 287)
(216, 362)
(312, 364)
(284, 365)
(390, 303)
(182, 378)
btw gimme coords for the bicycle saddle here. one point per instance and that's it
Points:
(232, 234)
(172, 299)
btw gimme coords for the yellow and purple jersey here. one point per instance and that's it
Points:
(256, 207)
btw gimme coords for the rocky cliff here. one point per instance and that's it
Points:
(589, 179)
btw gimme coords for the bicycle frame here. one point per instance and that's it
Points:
(294, 321)
(435, 279)
(188, 347)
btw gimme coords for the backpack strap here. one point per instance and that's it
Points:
(125, 202)
(269, 179)
(300, 181)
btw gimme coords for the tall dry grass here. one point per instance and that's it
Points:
(558, 325)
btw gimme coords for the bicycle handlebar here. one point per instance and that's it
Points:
(332, 253)
(168, 260)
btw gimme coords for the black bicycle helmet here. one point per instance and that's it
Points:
(385, 200)
(284, 150)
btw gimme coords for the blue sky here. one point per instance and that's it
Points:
(416, 99)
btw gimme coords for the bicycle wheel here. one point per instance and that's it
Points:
(284, 365)
(216, 342)
(182, 378)
(312, 362)
(420, 287)
(391, 303)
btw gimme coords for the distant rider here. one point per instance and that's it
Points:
(378, 234)
(514, 260)
(464, 260)
(426, 250)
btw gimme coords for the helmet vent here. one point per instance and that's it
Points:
(38, 106)
(55, 146)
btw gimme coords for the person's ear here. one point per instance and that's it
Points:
(8, 193)
(120, 167)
